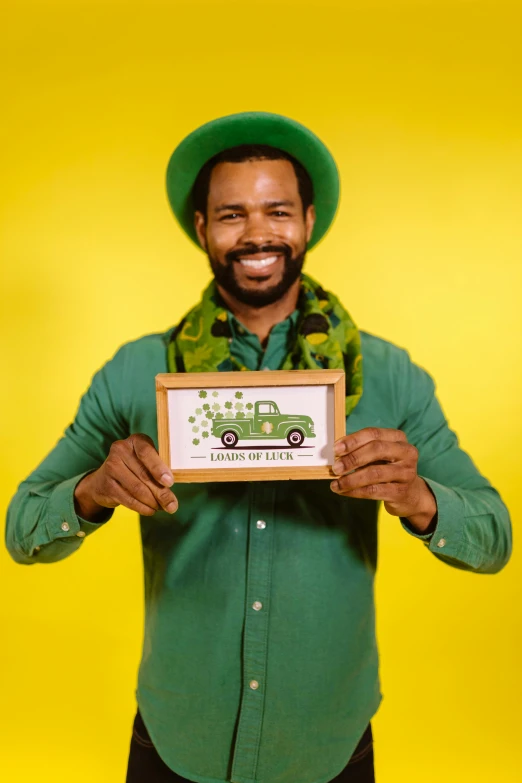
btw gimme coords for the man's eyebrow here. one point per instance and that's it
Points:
(225, 207)
(273, 204)
(266, 204)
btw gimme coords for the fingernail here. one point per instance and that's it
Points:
(167, 479)
(339, 447)
(338, 467)
(334, 485)
(172, 507)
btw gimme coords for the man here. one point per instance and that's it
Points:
(259, 659)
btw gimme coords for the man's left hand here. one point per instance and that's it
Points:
(380, 464)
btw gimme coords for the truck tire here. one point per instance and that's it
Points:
(295, 437)
(229, 439)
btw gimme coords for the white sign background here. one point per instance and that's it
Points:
(314, 401)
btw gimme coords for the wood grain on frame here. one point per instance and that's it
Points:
(163, 422)
(259, 379)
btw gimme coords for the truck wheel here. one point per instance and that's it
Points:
(295, 437)
(229, 439)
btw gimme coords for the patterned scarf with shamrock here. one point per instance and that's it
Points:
(327, 338)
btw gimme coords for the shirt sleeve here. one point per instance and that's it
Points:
(473, 527)
(42, 524)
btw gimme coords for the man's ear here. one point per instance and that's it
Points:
(309, 221)
(200, 226)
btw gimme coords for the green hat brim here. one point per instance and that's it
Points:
(252, 128)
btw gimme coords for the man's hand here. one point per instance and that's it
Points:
(380, 464)
(133, 475)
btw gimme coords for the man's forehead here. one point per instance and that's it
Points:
(255, 178)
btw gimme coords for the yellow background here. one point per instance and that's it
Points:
(420, 104)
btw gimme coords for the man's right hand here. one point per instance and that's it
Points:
(133, 475)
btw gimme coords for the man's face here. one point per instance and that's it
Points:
(255, 234)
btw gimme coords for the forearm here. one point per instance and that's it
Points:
(43, 525)
(473, 527)
(473, 530)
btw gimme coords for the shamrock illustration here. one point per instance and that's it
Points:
(192, 419)
(239, 406)
(216, 406)
(195, 429)
(240, 415)
(249, 406)
(206, 407)
(215, 394)
(202, 394)
(228, 405)
(205, 434)
(198, 411)
(238, 395)
(209, 415)
(196, 441)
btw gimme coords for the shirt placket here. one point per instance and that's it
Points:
(255, 638)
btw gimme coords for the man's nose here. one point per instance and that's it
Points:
(257, 230)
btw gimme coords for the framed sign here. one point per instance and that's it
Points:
(250, 426)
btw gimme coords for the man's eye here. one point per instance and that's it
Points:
(231, 215)
(280, 213)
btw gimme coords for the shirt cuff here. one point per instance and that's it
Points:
(62, 519)
(448, 537)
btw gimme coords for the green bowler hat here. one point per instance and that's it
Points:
(252, 127)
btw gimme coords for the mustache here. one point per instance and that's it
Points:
(252, 250)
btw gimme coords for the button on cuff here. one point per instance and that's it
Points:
(62, 520)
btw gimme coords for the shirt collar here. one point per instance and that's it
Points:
(281, 329)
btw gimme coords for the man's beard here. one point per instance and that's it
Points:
(225, 274)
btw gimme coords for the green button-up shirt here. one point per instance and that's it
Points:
(260, 661)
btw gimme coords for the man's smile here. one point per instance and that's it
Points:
(259, 266)
(259, 261)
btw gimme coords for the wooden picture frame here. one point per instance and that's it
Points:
(203, 417)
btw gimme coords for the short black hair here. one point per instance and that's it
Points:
(240, 154)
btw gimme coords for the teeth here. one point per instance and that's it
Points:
(258, 263)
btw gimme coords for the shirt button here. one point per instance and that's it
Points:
(261, 524)
(80, 534)
(65, 526)
(257, 605)
(441, 542)
(254, 685)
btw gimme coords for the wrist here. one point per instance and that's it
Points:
(424, 520)
(84, 504)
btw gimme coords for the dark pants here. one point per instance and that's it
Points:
(145, 766)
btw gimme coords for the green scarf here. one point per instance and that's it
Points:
(327, 338)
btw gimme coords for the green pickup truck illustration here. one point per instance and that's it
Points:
(267, 423)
